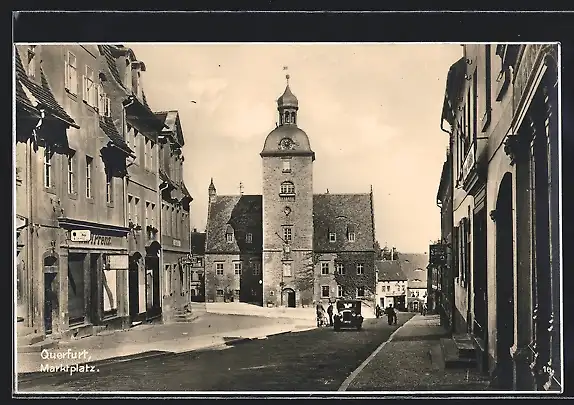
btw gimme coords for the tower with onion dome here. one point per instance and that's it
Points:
(287, 160)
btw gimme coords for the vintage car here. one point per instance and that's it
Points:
(348, 315)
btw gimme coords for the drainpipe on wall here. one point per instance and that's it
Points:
(32, 283)
(125, 183)
(451, 227)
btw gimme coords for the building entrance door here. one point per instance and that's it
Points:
(479, 328)
(49, 297)
(504, 284)
(290, 295)
(134, 292)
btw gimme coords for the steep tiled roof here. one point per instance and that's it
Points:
(338, 213)
(244, 215)
(414, 266)
(106, 50)
(198, 243)
(171, 124)
(42, 93)
(22, 99)
(390, 270)
(107, 125)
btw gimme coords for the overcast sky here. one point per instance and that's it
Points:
(372, 114)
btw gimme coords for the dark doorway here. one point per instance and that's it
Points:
(49, 298)
(152, 285)
(504, 284)
(479, 278)
(96, 303)
(134, 292)
(290, 295)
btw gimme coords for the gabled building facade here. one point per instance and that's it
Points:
(289, 247)
(197, 272)
(122, 78)
(71, 277)
(392, 285)
(175, 218)
(504, 117)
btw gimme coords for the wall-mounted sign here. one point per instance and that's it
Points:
(94, 241)
(468, 164)
(176, 242)
(118, 262)
(80, 235)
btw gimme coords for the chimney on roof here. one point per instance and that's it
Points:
(194, 230)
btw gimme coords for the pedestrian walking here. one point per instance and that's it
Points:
(425, 309)
(391, 315)
(330, 313)
(377, 311)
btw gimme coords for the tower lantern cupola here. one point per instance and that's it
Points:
(287, 105)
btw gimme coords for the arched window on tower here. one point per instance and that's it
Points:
(294, 117)
(287, 187)
(287, 118)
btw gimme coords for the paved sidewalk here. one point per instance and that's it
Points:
(404, 363)
(207, 331)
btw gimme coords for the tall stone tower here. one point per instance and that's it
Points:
(287, 209)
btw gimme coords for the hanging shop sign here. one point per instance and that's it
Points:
(437, 253)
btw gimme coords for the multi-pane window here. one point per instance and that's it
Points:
(219, 269)
(325, 291)
(360, 291)
(332, 237)
(31, 67)
(71, 173)
(249, 238)
(71, 70)
(287, 269)
(130, 208)
(109, 189)
(151, 218)
(360, 268)
(287, 234)
(147, 213)
(219, 292)
(104, 104)
(324, 268)
(48, 178)
(237, 268)
(90, 89)
(151, 158)
(351, 236)
(340, 268)
(89, 188)
(256, 268)
(136, 210)
(286, 165)
(287, 188)
(340, 291)
(229, 237)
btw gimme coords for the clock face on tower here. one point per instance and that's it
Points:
(286, 144)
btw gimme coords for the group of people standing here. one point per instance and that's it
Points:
(324, 318)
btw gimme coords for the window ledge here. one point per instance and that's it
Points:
(286, 170)
(71, 94)
(90, 200)
(72, 196)
(503, 80)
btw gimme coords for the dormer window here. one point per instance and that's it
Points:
(332, 237)
(229, 234)
(249, 238)
(287, 187)
(351, 233)
(286, 165)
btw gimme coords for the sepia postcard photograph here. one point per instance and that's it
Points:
(293, 217)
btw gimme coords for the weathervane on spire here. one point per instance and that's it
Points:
(287, 75)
